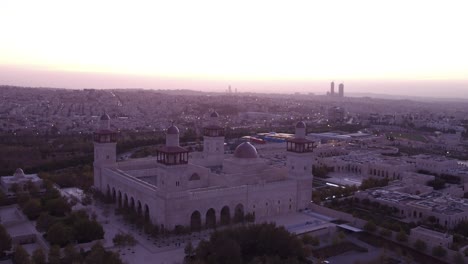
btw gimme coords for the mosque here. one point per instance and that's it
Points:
(208, 188)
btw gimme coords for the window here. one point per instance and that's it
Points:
(194, 177)
(177, 183)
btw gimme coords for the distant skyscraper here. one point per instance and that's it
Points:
(332, 88)
(230, 90)
(341, 90)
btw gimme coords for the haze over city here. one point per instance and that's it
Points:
(412, 48)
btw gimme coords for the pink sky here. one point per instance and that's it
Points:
(78, 80)
(391, 47)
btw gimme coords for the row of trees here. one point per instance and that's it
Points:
(53, 216)
(97, 255)
(263, 243)
(77, 227)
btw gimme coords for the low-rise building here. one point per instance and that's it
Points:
(20, 181)
(430, 237)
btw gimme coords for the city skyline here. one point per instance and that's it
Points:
(400, 48)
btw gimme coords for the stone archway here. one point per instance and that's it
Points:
(125, 201)
(211, 218)
(225, 218)
(132, 204)
(114, 196)
(147, 213)
(139, 209)
(108, 193)
(195, 221)
(239, 213)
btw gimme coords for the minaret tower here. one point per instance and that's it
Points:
(105, 141)
(213, 141)
(172, 154)
(299, 164)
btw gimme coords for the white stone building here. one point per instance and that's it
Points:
(178, 188)
(19, 180)
(430, 237)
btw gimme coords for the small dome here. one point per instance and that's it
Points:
(214, 114)
(246, 151)
(172, 130)
(19, 173)
(105, 117)
(300, 124)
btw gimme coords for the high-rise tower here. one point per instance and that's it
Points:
(213, 141)
(332, 88)
(105, 140)
(299, 164)
(341, 90)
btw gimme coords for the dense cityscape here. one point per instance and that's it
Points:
(383, 180)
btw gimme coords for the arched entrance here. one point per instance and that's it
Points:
(225, 216)
(132, 204)
(239, 214)
(211, 218)
(114, 197)
(108, 193)
(139, 209)
(125, 201)
(195, 221)
(147, 213)
(120, 199)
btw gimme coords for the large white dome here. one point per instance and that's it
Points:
(246, 151)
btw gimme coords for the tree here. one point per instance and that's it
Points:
(45, 221)
(38, 256)
(249, 217)
(385, 232)
(86, 230)
(21, 256)
(59, 234)
(420, 245)
(99, 255)
(189, 250)
(243, 244)
(5, 240)
(310, 240)
(437, 183)
(71, 255)
(401, 236)
(58, 207)
(32, 209)
(458, 258)
(370, 226)
(32, 188)
(439, 252)
(54, 254)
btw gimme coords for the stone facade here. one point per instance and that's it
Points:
(202, 189)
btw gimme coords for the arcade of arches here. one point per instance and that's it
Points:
(210, 220)
(226, 215)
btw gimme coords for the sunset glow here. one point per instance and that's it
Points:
(238, 40)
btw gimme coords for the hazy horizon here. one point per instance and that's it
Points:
(406, 48)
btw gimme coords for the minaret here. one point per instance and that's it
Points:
(213, 141)
(172, 153)
(299, 165)
(105, 141)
